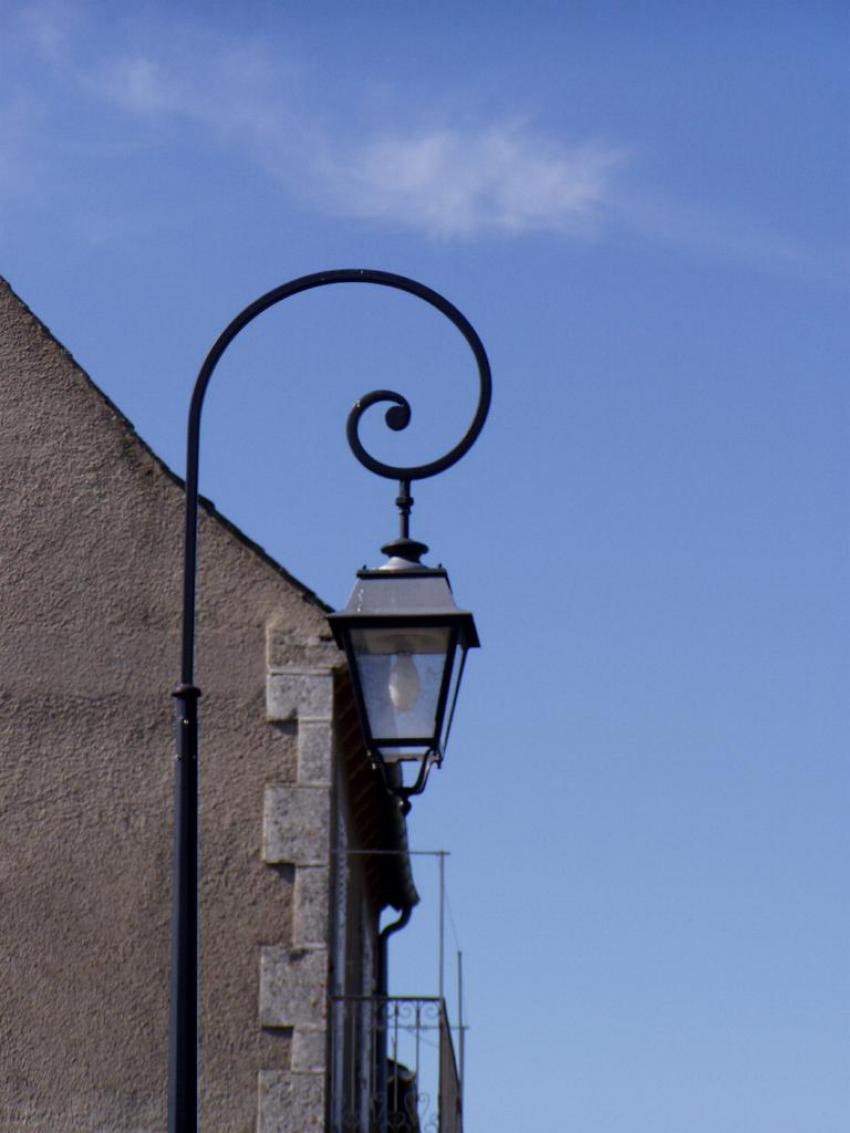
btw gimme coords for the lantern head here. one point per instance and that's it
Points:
(406, 642)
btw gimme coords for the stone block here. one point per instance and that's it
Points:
(293, 986)
(296, 691)
(285, 648)
(296, 824)
(290, 1102)
(309, 1050)
(315, 751)
(310, 915)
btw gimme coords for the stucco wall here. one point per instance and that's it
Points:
(90, 548)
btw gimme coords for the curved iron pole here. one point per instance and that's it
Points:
(183, 1026)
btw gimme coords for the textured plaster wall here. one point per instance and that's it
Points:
(90, 548)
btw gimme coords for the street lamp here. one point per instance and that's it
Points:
(406, 642)
(404, 637)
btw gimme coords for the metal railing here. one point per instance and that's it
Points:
(393, 1067)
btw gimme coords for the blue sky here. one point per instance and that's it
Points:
(643, 209)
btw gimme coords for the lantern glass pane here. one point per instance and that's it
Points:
(401, 675)
(451, 699)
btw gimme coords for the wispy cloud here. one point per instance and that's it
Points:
(48, 27)
(237, 86)
(490, 176)
(662, 220)
(500, 177)
(503, 178)
(24, 171)
(139, 86)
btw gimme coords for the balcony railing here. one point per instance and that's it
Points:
(393, 1066)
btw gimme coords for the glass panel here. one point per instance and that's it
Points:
(404, 639)
(401, 674)
(401, 594)
(451, 699)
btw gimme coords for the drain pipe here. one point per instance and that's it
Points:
(381, 1069)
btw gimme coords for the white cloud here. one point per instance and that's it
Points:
(139, 86)
(499, 178)
(23, 171)
(745, 239)
(229, 98)
(448, 182)
(494, 177)
(47, 25)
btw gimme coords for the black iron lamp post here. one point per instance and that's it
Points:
(404, 637)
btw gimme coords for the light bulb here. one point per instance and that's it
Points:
(404, 683)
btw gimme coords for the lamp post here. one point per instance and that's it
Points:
(404, 637)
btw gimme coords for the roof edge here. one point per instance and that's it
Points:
(206, 505)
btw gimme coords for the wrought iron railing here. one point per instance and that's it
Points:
(393, 1067)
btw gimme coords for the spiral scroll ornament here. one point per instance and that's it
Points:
(399, 414)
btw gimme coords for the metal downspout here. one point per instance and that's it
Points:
(381, 1081)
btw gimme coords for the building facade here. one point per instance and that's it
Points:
(302, 848)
